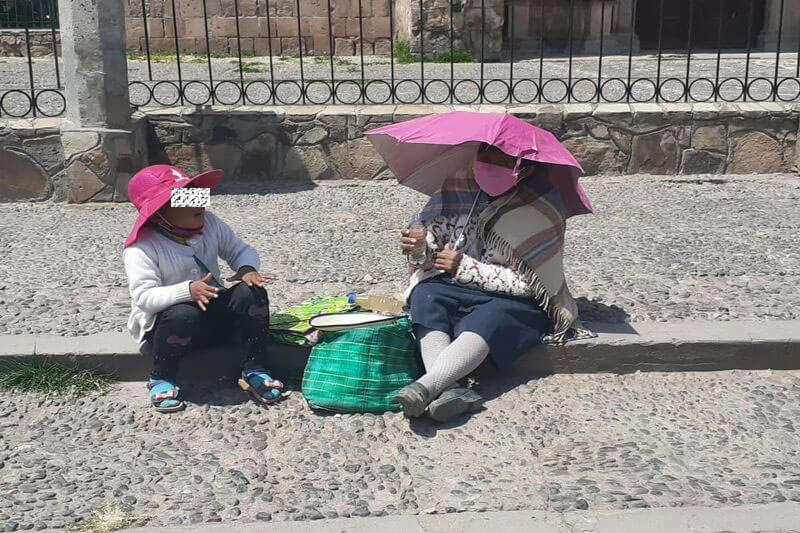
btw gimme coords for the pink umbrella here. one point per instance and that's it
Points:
(423, 152)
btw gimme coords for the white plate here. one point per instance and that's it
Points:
(341, 321)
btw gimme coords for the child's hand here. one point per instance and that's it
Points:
(202, 293)
(251, 277)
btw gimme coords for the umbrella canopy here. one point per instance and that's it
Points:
(423, 152)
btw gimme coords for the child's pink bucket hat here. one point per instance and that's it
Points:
(149, 190)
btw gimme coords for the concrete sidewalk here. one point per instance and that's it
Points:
(619, 348)
(783, 517)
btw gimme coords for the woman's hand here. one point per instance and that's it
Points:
(448, 260)
(410, 239)
(202, 293)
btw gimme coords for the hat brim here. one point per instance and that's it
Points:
(205, 180)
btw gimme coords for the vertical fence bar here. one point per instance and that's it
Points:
(511, 66)
(541, 49)
(177, 51)
(746, 90)
(147, 41)
(629, 90)
(361, 49)
(569, 74)
(30, 66)
(269, 50)
(660, 36)
(208, 55)
(483, 44)
(797, 73)
(300, 49)
(421, 53)
(239, 49)
(331, 44)
(719, 50)
(600, 59)
(689, 50)
(778, 53)
(452, 67)
(53, 11)
(391, 47)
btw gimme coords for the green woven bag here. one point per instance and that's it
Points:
(359, 370)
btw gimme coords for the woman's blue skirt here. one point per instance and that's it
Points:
(510, 326)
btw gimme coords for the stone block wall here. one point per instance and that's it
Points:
(327, 142)
(12, 43)
(255, 29)
(37, 154)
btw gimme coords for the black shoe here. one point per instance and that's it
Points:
(413, 399)
(454, 402)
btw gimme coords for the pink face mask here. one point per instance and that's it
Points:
(492, 179)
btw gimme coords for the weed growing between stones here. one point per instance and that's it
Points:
(403, 54)
(109, 518)
(49, 378)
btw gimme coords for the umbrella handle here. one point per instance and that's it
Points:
(458, 241)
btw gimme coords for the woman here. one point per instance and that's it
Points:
(491, 282)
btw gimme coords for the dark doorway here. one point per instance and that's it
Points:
(705, 24)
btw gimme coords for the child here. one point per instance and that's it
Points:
(178, 304)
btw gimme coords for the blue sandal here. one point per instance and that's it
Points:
(261, 386)
(164, 396)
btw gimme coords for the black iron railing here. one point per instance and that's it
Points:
(683, 61)
(43, 95)
(678, 74)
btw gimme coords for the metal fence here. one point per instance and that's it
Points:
(31, 14)
(547, 69)
(36, 90)
(685, 74)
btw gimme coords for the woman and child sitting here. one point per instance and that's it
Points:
(489, 285)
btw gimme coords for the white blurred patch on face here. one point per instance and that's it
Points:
(192, 197)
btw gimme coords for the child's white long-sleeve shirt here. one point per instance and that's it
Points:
(160, 269)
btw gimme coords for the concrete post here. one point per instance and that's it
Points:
(101, 148)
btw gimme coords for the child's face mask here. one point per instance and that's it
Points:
(494, 180)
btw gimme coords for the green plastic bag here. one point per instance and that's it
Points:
(359, 370)
(292, 326)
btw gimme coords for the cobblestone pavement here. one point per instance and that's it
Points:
(558, 443)
(666, 249)
(529, 74)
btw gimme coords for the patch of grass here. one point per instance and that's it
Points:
(319, 60)
(343, 62)
(253, 67)
(155, 57)
(109, 518)
(459, 56)
(403, 54)
(49, 378)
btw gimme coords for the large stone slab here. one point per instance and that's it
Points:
(702, 162)
(654, 153)
(83, 182)
(21, 178)
(595, 156)
(754, 152)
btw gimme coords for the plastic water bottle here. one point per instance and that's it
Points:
(377, 304)
(416, 230)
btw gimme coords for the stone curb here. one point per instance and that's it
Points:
(619, 348)
(782, 517)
